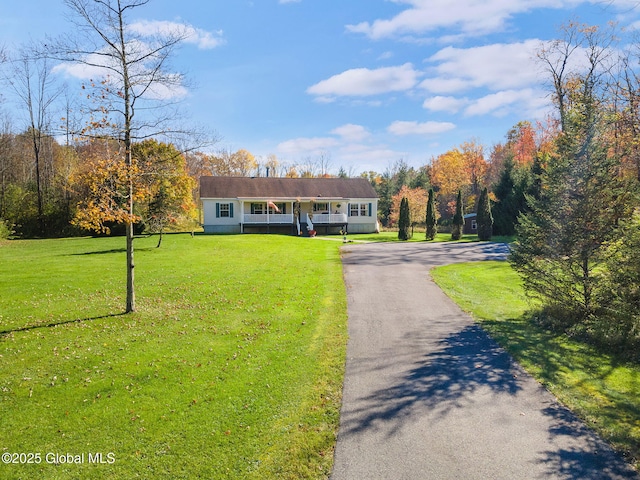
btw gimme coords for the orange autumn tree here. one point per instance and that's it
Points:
(475, 165)
(460, 169)
(448, 173)
(521, 141)
(417, 198)
(103, 184)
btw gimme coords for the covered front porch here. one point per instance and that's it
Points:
(302, 215)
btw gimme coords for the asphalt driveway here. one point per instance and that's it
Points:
(428, 395)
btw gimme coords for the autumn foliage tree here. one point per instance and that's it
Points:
(458, 170)
(417, 202)
(167, 184)
(521, 143)
(103, 185)
(240, 163)
(448, 173)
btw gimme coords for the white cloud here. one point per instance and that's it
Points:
(351, 132)
(496, 67)
(414, 128)
(526, 101)
(203, 39)
(82, 71)
(145, 81)
(364, 82)
(445, 104)
(497, 103)
(173, 91)
(368, 157)
(306, 146)
(472, 17)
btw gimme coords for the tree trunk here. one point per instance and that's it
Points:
(131, 296)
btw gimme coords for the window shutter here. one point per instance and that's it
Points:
(348, 209)
(217, 210)
(231, 210)
(370, 209)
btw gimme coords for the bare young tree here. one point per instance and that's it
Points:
(134, 85)
(582, 57)
(30, 80)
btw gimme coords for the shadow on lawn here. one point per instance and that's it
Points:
(55, 324)
(113, 250)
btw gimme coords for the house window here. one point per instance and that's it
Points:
(321, 207)
(224, 210)
(474, 225)
(360, 210)
(258, 208)
(261, 208)
(281, 208)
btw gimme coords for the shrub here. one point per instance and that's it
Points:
(404, 222)
(458, 219)
(431, 219)
(5, 230)
(485, 220)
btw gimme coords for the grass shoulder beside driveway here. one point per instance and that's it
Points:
(232, 366)
(418, 236)
(599, 388)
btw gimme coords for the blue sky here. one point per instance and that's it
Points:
(362, 82)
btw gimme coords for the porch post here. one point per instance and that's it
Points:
(241, 215)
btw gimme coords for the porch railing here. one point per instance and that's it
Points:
(337, 218)
(281, 218)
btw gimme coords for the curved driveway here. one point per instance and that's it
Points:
(428, 395)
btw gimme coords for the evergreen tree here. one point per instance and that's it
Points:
(431, 220)
(458, 219)
(560, 251)
(622, 287)
(404, 222)
(484, 218)
(506, 208)
(535, 188)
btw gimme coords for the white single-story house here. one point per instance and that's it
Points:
(288, 205)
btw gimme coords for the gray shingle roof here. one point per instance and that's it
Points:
(274, 187)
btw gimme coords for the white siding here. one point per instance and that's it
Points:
(214, 222)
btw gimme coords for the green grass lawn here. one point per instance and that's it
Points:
(231, 367)
(600, 388)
